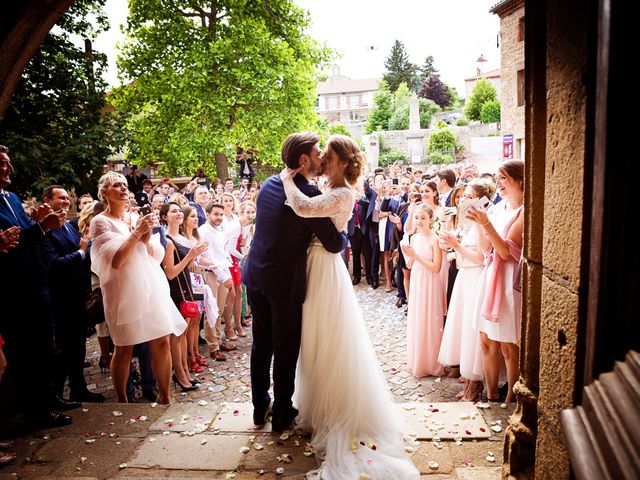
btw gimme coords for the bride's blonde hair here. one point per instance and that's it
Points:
(348, 151)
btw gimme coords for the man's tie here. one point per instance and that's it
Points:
(8, 205)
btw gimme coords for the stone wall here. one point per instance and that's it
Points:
(512, 60)
(397, 139)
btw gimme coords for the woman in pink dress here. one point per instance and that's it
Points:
(425, 314)
(499, 302)
(461, 339)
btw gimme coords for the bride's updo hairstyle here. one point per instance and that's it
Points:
(348, 151)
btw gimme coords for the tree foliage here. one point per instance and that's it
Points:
(207, 76)
(442, 140)
(427, 69)
(490, 112)
(380, 113)
(433, 89)
(399, 68)
(482, 92)
(54, 126)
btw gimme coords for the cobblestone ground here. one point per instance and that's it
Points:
(230, 381)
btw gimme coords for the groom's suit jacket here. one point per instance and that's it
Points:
(277, 262)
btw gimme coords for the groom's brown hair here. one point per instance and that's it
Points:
(296, 145)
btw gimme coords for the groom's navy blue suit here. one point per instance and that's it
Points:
(275, 275)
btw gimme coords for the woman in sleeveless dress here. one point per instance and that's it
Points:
(342, 395)
(500, 303)
(461, 339)
(135, 292)
(424, 313)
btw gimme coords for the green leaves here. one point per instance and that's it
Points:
(204, 81)
(54, 126)
(482, 92)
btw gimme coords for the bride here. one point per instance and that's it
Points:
(342, 395)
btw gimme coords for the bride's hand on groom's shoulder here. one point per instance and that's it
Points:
(289, 172)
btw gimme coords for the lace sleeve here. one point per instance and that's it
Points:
(325, 205)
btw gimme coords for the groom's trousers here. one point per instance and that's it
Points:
(277, 326)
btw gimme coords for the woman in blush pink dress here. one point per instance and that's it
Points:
(500, 303)
(425, 314)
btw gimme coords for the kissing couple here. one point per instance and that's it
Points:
(306, 315)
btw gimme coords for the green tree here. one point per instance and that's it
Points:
(490, 112)
(380, 113)
(399, 68)
(54, 126)
(207, 76)
(339, 129)
(482, 92)
(427, 69)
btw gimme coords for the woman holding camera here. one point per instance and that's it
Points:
(137, 302)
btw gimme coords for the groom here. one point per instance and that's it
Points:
(275, 277)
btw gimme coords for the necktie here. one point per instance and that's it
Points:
(357, 219)
(6, 202)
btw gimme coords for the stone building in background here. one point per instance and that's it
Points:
(346, 101)
(512, 95)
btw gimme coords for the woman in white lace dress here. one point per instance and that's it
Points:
(342, 395)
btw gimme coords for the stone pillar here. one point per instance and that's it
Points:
(557, 206)
(415, 135)
(372, 150)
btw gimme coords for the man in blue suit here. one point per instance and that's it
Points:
(24, 322)
(276, 279)
(63, 256)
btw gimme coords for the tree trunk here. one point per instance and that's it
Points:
(222, 166)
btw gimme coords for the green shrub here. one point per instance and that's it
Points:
(442, 140)
(462, 122)
(490, 112)
(439, 158)
(482, 92)
(441, 124)
(392, 156)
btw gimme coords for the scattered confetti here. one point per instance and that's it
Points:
(244, 449)
(117, 413)
(433, 465)
(122, 465)
(90, 440)
(279, 471)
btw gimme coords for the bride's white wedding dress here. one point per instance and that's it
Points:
(341, 393)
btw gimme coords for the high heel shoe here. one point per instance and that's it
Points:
(194, 367)
(201, 361)
(230, 334)
(182, 387)
(104, 363)
(240, 331)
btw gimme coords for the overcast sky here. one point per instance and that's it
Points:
(454, 32)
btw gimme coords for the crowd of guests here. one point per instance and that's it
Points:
(168, 264)
(448, 242)
(150, 251)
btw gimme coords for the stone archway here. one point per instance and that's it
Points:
(24, 26)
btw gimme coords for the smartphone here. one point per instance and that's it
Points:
(145, 210)
(481, 203)
(394, 181)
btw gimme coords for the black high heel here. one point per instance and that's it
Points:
(182, 387)
(104, 363)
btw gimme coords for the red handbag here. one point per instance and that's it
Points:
(189, 309)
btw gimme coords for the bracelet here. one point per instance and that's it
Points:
(485, 224)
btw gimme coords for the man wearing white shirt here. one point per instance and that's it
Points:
(446, 182)
(217, 276)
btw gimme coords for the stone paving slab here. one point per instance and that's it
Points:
(174, 451)
(184, 417)
(445, 420)
(270, 451)
(99, 418)
(481, 473)
(238, 417)
(101, 458)
(428, 452)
